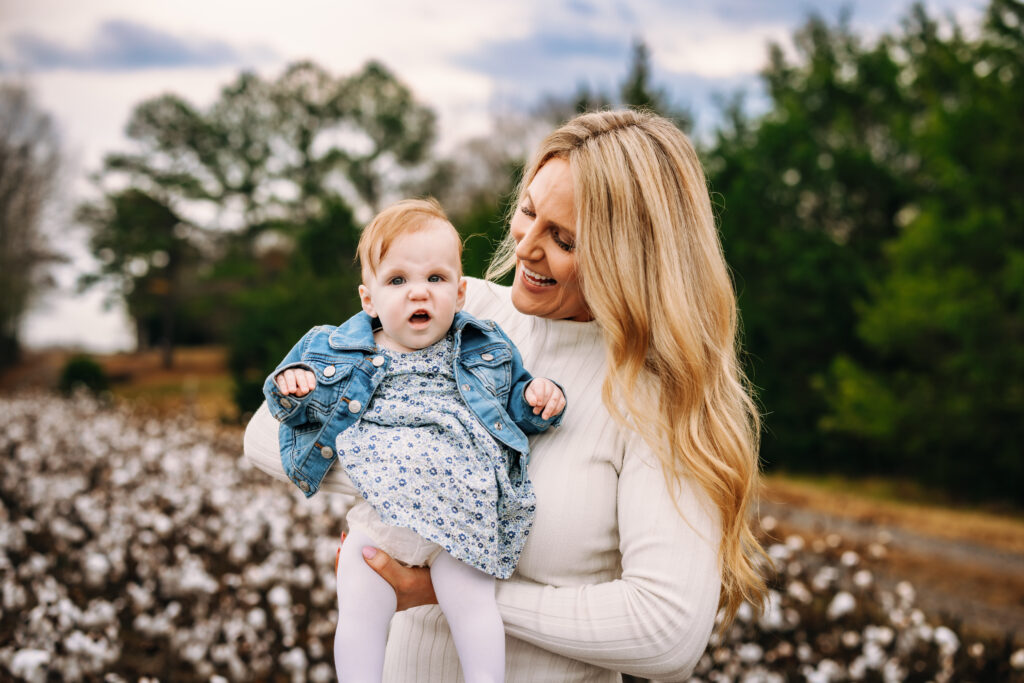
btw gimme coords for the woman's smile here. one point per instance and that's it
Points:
(536, 279)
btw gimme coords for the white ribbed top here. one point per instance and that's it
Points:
(612, 578)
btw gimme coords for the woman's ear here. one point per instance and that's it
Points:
(460, 298)
(367, 301)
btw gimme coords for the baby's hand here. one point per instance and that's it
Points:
(544, 394)
(295, 381)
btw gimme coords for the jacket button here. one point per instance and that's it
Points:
(329, 371)
(487, 356)
(285, 403)
(304, 486)
(377, 361)
(326, 452)
(354, 406)
(465, 387)
(497, 426)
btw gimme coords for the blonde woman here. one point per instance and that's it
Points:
(641, 532)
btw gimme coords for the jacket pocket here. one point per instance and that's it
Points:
(492, 365)
(328, 375)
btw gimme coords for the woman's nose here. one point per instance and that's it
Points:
(528, 244)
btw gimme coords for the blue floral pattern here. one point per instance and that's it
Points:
(423, 461)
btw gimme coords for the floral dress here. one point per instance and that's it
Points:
(421, 458)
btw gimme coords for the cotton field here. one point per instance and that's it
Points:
(142, 549)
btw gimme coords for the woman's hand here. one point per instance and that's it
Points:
(412, 585)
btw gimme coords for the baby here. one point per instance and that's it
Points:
(427, 409)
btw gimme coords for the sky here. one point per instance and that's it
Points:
(88, 62)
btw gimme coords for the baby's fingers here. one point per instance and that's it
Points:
(297, 382)
(305, 382)
(554, 405)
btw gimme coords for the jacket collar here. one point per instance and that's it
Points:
(356, 334)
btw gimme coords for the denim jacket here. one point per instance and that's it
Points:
(488, 371)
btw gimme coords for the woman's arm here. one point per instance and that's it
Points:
(656, 620)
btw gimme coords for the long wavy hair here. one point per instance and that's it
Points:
(652, 272)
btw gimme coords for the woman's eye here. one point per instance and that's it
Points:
(562, 244)
(397, 280)
(527, 211)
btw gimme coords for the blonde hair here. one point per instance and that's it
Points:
(408, 215)
(653, 275)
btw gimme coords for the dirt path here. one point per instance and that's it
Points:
(967, 568)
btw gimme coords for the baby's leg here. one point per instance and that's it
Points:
(466, 596)
(366, 603)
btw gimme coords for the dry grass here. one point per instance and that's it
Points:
(870, 502)
(198, 383)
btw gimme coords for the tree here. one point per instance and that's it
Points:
(806, 194)
(942, 392)
(143, 248)
(246, 177)
(29, 161)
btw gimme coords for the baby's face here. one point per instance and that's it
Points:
(416, 290)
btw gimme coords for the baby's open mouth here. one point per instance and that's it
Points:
(419, 317)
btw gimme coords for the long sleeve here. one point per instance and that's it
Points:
(262, 451)
(655, 620)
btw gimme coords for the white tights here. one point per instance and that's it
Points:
(366, 603)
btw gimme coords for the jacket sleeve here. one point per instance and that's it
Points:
(517, 406)
(288, 409)
(655, 620)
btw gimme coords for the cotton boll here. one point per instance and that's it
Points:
(798, 591)
(849, 559)
(294, 661)
(824, 578)
(30, 665)
(279, 596)
(842, 604)
(321, 673)
(750, 652)
(883, 635)
(97, 569)
(256, 618)
(947, 640)
(905, 592)
(892, 672)
(863, 579)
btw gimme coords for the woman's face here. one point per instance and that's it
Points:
(544, 228)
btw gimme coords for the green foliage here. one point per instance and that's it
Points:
(875, 223)
(315, 284)
(82, 372)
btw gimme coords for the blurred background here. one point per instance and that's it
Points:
(182, 188)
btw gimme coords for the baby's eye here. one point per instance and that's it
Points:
(397, 280)
(435, 278)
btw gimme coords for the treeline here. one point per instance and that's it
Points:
(873, 216)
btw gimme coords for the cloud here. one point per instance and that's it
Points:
(545, 61)
(126, 45)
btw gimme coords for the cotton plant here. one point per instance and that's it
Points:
(222, 574)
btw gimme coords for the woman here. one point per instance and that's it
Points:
(621, 294)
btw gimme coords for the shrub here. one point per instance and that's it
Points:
(83, 372)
